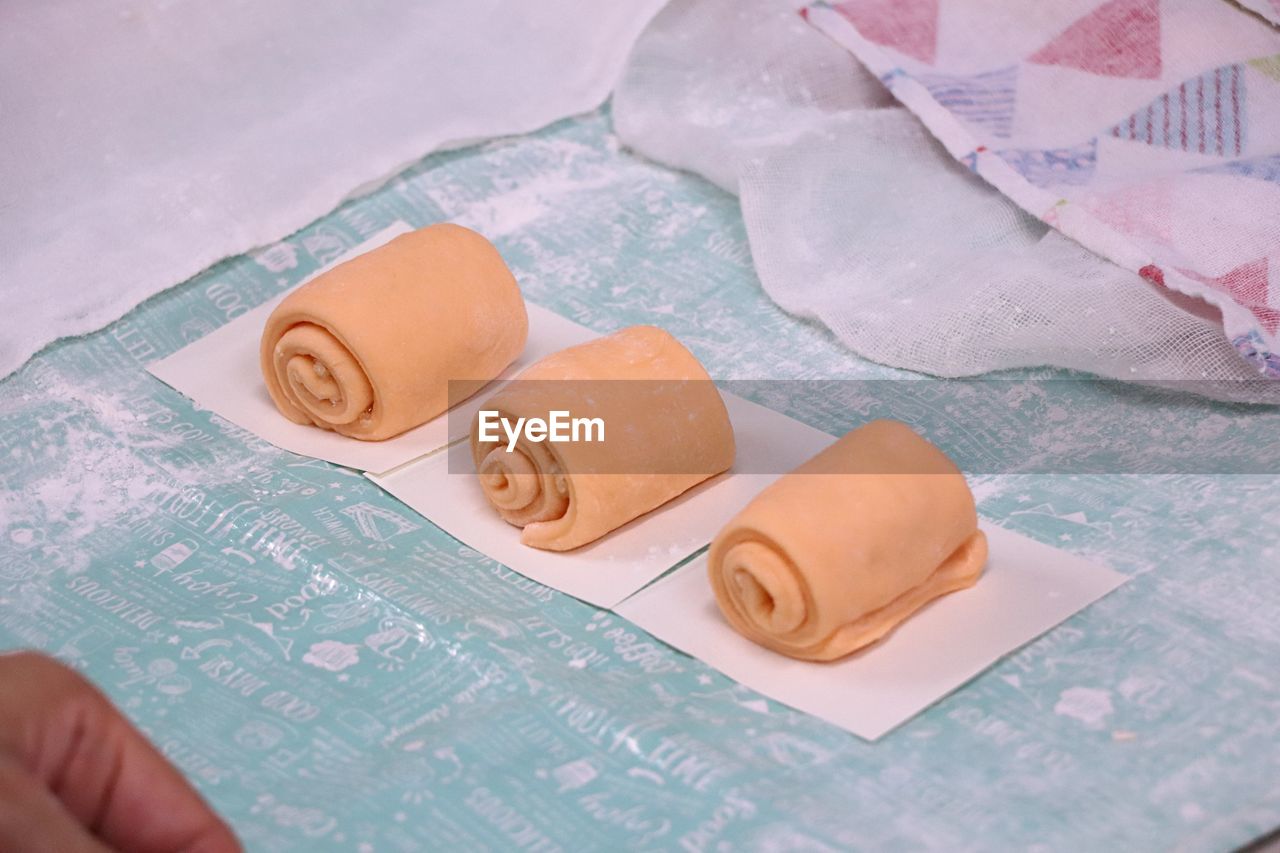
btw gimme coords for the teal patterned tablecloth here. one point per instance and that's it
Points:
(334, 672)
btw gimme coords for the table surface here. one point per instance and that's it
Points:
(334, 672)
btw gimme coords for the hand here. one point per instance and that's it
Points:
(75, 775)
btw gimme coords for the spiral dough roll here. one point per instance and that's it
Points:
(666, 430)
(389, 340)
(833, 556)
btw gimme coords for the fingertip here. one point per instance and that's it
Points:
(217, 837)
(78, 746)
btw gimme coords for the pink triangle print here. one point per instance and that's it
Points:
(1120, 38)
(908, 26)
(1247, 284)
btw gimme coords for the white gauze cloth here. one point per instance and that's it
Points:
(858, 218)
(144, 140)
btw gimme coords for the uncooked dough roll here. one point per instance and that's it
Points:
(369, 348)
(834, 555)
(666, 429)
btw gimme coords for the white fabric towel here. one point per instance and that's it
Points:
(144, 140)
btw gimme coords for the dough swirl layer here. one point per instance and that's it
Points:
(836, 554)
(389, 340)
(666, 430)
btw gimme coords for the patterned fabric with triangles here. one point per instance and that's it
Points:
(1147, 130)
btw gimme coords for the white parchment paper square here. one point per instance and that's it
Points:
(221, 373)
(1027, 589)
(610, 569)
